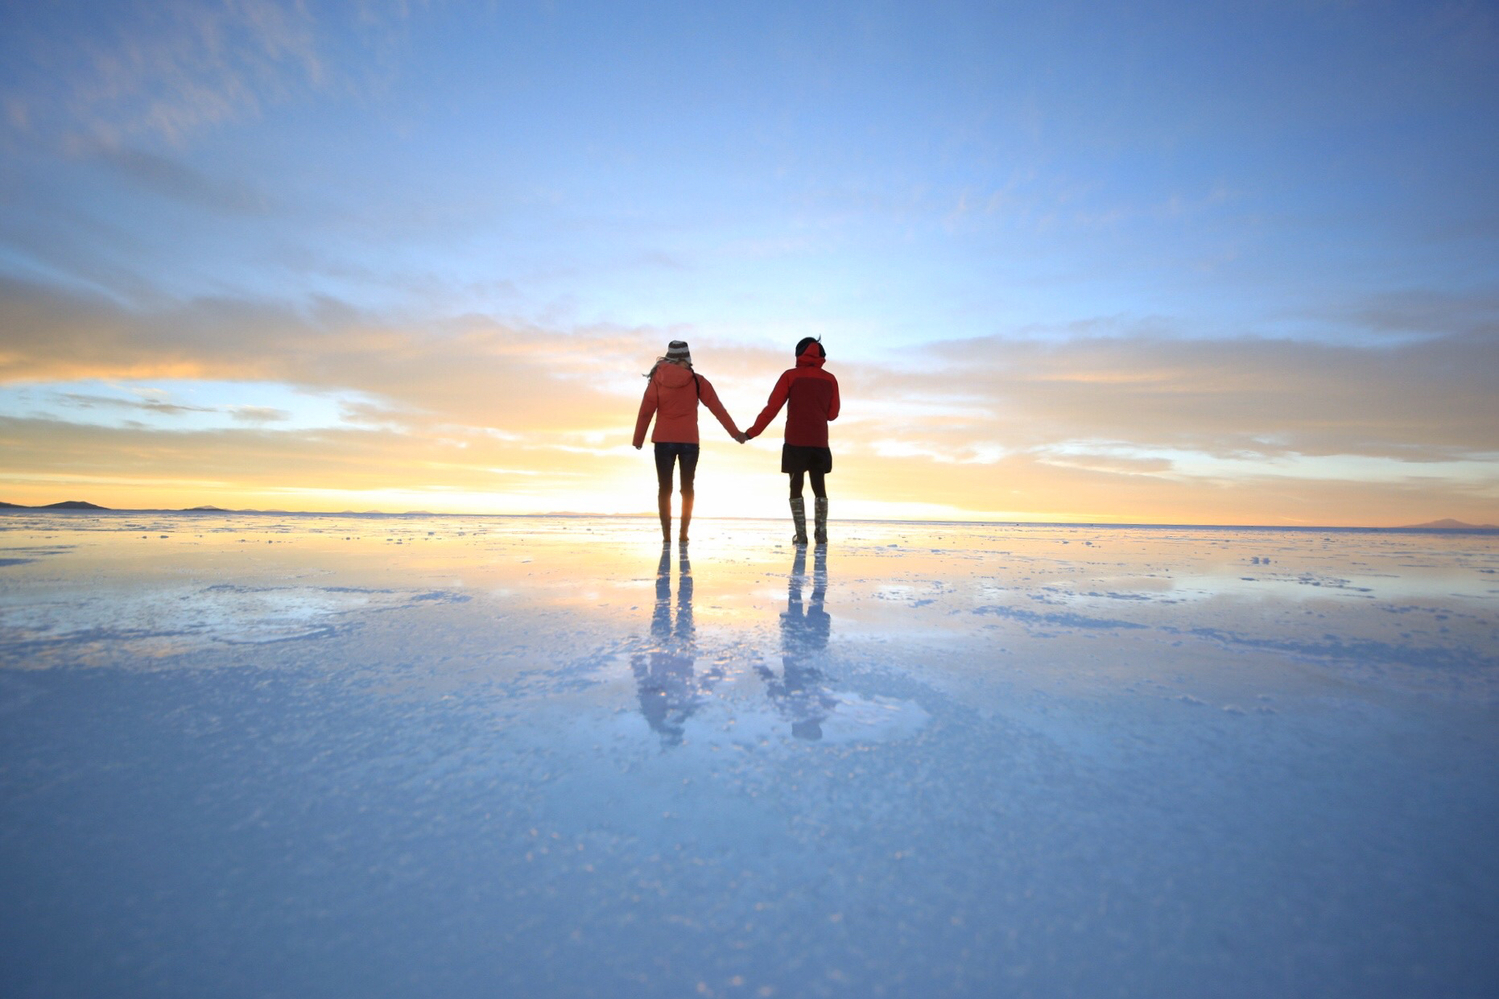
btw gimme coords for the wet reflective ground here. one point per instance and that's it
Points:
(375, 756)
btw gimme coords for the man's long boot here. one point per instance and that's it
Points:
(820, 515)
(799, 518)
(686, 517)
(663, 503)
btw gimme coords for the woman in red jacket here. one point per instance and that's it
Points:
(672, 397)
(813, 394)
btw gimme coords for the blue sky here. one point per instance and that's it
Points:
(1241, 257)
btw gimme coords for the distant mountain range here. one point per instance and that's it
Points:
(64, 505)
(84, 505)
(1448, 524)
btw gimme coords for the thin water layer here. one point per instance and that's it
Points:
(387, 756)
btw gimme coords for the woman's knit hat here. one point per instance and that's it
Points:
(677, 352)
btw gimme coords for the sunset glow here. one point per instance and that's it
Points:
(1163, 263)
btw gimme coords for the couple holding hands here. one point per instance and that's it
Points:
(672, 397)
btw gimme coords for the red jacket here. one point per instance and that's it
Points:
(672, 397)
(814, 401)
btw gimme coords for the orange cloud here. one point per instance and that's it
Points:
(478, 413)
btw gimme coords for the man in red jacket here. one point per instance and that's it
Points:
(813, 395)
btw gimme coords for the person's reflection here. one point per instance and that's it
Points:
(799, 693)
(664, 676)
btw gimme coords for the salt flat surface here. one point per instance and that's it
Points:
(260, 755)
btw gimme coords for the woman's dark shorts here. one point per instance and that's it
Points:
(795, 458)
(667, 455)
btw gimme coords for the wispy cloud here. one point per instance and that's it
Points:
(259, 414)
(154, 406)
(1407, 401)
(170, 178)
(163, 69)
(471, 370)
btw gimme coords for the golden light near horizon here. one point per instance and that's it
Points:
(239, 281)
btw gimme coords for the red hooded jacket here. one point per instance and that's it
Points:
(672, 397)
(813, 393)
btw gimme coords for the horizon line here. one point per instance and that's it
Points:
(78, 506)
